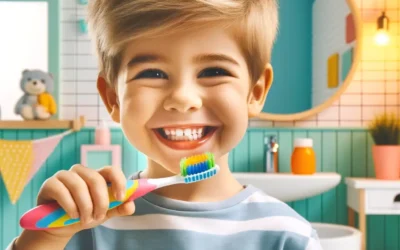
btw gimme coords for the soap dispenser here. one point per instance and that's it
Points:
(102, 134)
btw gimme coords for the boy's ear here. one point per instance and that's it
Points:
(259, 90)
(109, 96)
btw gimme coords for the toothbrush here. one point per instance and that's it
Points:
(193, 169)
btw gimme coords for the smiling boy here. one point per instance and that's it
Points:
(182, 78)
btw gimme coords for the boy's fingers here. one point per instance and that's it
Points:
(98, 190)
(128, 208)
(80, 192)
(117, 179)
(54, 189)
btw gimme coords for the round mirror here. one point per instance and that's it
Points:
(314, 57)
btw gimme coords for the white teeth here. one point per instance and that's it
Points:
(187, 131)
(179, 132)
(186, 134)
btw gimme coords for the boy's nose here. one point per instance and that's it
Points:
(183, 100)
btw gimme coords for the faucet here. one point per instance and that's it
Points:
(271, 156)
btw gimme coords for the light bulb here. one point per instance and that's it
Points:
(382, 37)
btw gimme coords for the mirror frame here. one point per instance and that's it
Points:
(54, 43)
(356, 60)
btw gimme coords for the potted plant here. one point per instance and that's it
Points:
(385, 131)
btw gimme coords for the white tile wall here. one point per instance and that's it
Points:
(374, 89)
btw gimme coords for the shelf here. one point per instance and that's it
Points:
(76, 124)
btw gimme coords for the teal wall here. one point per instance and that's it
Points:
(291, 89)
(346, 151)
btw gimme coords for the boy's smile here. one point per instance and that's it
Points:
(184, 94)
(185, 137)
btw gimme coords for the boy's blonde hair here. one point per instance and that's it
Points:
(114, 23)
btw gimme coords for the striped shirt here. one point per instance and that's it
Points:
(249, 220)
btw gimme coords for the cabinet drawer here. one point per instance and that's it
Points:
(384, 199)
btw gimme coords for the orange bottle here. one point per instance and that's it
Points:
(303, 157)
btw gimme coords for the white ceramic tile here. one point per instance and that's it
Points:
(373, 87)
(391, 76)
(256, 123)
(350, 99)
(392, 99)
(392, 65)
(68, 62)
(68, 87)
(85, 47)
(87, 87)
(373, 75)
(305, 124)
(69, 15)
(83, 36)
(329, 114)
(91, 123)
(91, 113)
(353, 88)
(369, 112)
(70, 30)
(87, 61)
(67, 99)
(69, 4)
(373, 99)
(283, 124)
(328, 124)
(350, 124)
(87, 75)
(392, 110)
(348, 113)
(68, 47)
(68, 75)
(68, 113)
(92, 100)
(392, 87)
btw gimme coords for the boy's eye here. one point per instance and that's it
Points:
(214, 72)
(152, 73)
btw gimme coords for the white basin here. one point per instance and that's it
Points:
(290, 187)
(334, 237)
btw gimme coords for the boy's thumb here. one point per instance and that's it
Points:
(125, 209)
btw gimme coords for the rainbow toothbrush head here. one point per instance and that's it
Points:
(193, 169)
(198, 167)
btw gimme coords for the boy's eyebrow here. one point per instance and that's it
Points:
(145, 58)
(214, 57)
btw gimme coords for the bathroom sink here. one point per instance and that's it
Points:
(290, 187)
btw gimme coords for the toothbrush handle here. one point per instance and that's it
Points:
(51, 215)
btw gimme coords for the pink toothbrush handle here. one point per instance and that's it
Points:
(51, 215)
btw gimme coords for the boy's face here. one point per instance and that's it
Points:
(185, 94)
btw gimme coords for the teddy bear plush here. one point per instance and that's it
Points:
(37, 103)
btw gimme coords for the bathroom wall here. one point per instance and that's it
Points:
(374, 89)
(329, 40)
(341, 142)
(346, 151)
(295, 24)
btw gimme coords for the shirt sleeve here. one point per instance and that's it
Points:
(313, 242)
(82, 240)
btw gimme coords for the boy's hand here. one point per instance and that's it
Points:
(82, 192)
